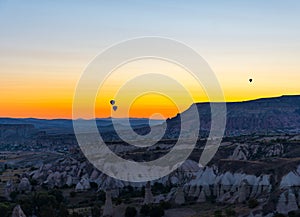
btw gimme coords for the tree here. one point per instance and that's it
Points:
(96, 210)
(279, 215)
(145, 210)
(252, 203)
(13, 195)
(94, 185)
(57, 194)
(230, 212)
(26, 203)
(218, 213)
(130, 212)
(4, 210)
(47, 212)
(165, 204)
(63, 211)
(72, 194)
(157, 211)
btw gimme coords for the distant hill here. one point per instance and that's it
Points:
(267, 115)
(65, 126)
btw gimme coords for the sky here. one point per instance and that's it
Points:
(46, 45)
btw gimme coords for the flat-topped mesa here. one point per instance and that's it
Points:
(278, 114)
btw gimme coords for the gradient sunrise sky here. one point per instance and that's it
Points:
(45, 46)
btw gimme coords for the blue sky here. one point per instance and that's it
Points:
(50, 42)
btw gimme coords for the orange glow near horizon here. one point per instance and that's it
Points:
(44, 48)
(147, 88)
(40, 96)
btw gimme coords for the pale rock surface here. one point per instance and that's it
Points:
(202, 197)
(24, 185)
(148, 194)
(179, 196)
(243, 191)
(9, 187)
(108, 207)
(291, 179)
(287, 202)
(83, 185)
(18, 212)
(239, 153)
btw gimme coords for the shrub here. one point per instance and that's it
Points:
(130, 212)
(218, 213)
(156, 211)
(252, 203)
(279, 215)
(72, 194)
(230, 212)
(145, 210)
(13, 195)
(4, 209)
(96, 210)
(94, 185)
(165, 204)
(292, 214)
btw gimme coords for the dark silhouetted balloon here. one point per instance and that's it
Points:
(115, 108)
(250, 79)
(112, 102)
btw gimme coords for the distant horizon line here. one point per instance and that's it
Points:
(86, 119)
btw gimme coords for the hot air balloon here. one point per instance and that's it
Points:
(115, 108)
(112, 102)
(250, 80)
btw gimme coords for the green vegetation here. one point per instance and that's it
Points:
(130, 192)
(252, 203)
(159, 188)
(96, 210)
(72, 194)
(130, 212)
(5, 209)
(218, 213)
(152, 211)
(230, 212)
(156, 211)
(279, 215)
(44, 203)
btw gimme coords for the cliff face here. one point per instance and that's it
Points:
(281, 114)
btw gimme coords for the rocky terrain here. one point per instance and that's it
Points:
(256, 171)
(263, 169)
(277, 115)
